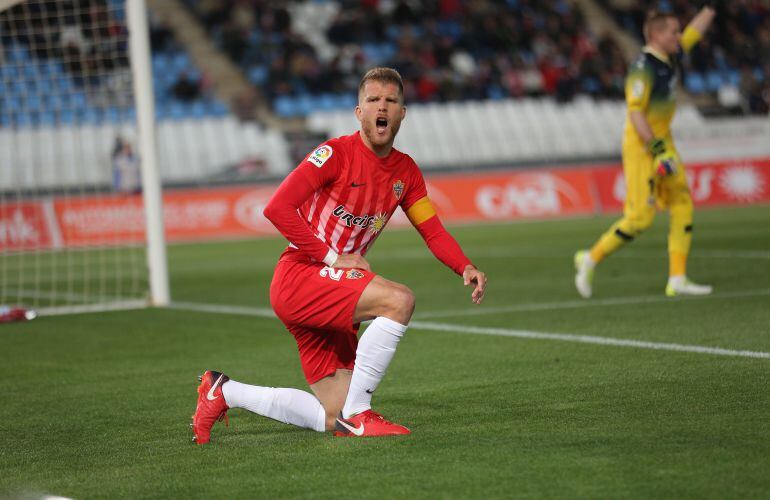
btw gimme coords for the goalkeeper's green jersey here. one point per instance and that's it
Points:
(651, 88)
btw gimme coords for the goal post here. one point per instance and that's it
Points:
(139, 48)
(77, 140)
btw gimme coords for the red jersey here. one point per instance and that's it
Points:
(341, 196)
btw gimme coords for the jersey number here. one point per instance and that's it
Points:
(335, 274)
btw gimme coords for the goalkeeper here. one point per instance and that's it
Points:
(654, 174)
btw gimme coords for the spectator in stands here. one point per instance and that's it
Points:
(186, 88)
(125, 168)
(444, 50)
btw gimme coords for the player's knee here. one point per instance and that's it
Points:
(400, 303)
(637, 224)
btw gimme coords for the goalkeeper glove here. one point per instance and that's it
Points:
(664, 160)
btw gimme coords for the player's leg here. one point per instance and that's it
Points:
(675, 194)
(390, 306)
(217, 394)
(331, 391)
(638, 215)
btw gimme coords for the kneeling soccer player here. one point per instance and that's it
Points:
(331, 208)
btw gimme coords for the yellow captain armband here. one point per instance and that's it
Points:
(690, 37)
(420, 211)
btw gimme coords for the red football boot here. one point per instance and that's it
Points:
(366, 424)
(211, 405)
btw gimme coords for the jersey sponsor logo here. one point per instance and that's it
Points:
(637, 89)
(330, 272)
(354, 274)
(352, 219)
(398, 189)
(378, 223)
(320, 155)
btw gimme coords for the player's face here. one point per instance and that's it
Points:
(380, 111)
(669, 35)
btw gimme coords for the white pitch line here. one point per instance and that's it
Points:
(504, 332)
(261, 312)
(586, 339)
(581, 303)
(502, 252)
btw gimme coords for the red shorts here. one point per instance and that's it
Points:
(316, 304)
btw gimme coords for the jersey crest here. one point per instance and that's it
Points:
(398, 189)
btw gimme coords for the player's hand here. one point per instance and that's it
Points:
(664, 159)
(477, 279)
(351, 260)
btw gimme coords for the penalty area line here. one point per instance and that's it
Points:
(500, 332)
(582, 303)
(585, 339)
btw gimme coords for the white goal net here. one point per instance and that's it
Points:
(72, 213)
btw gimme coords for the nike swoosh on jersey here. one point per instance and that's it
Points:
(358, 431)
(354, 185)
(210, 396)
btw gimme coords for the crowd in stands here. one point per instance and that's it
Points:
(85, 35)
(66, 61)
(445, 49)
(734, 54)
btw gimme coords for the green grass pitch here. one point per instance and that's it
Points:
(98, 405)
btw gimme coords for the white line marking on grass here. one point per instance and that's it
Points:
(261, 312)
(581, 303)
(125, 305)
(585, 339)
(503, 332)
(502, 252)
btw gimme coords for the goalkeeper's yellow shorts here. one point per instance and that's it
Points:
(646, 191)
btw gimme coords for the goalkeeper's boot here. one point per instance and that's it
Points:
(680, 285)
(584, 273)
(367, 424)
(211, 405)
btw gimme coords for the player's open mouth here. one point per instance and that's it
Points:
(381, 124)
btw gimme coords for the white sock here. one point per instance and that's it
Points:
(290, 406)
(677, 280)
(375, 350)
(588, 261)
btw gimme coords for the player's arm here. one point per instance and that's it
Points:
(283, 211)
(423, 217)
(695, 30)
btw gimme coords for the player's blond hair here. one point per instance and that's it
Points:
(383, 75)
(654, 21)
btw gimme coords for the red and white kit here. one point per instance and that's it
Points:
(337, 201)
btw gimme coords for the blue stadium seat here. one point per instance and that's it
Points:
(695, 83)
(48, 118)
(217, 108)
(258, 75)
(285, 107)
(66, 116)
(713, 81)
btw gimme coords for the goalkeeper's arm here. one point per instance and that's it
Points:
(664, 160)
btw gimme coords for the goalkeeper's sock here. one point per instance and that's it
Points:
(373, 355)
(677, 264)
(290, 406)
(593, 257)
